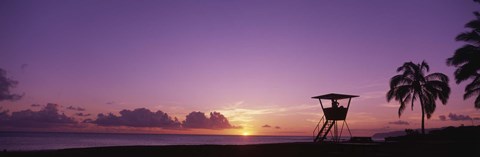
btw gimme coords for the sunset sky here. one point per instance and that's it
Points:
(258, 63)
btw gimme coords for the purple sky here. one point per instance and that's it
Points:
(257, 62)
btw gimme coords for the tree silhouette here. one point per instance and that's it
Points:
(412, 84)
(467, 59)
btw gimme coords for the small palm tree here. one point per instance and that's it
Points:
(467, 59)
(412, 84)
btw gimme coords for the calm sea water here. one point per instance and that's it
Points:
(45, 141)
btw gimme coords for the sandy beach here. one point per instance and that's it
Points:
(432, 148)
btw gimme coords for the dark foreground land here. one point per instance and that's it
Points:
(462, 141)
(271, 150)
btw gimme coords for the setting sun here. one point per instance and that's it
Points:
(245, 133)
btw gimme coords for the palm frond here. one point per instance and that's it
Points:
(437, 76)
(399, 80)
(390, 94)
(414, 96)
(401, 92)
(439, 89)
(473, 88)
(474, 84)
(400, 109)
(467, 53)
(477, 102)
(407, 99)
(429, 103)
(474, 24)
(407, 66)
(403, 101)
(466, 71)
(470, 93)
(471, 37)
(425, 66)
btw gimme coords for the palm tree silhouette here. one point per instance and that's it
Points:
(467, 59)
(412, 84)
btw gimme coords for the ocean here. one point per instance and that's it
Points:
(48, 140)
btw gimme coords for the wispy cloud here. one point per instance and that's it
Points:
(372, 95)
(399, 122)
(361, 117)
(75, 108)
(390, 105)
(239, 112)
(377, 83)
(83, 114)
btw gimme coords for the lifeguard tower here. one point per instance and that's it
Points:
(333, 115)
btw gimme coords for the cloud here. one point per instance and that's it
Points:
(110, 102)
(140, 117)
(196, 120)
(268, 126)
(3, 115)
(372, 95)
(23, 67)
(75, 108)
(457, 117)
(442, 117)
(199, 120)
(46, 117)
(390, 105)
(5, 85)
(399, 122)
(35, 105)
(82, 114)
(244, 114)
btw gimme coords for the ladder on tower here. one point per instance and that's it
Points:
(323, 132)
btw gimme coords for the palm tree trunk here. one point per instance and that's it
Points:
(423, 115)
(423, 119)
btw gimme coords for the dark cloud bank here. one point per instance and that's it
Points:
(457, 117)
(35, 105)
(137, 118)
(49, 116)
(199, 120)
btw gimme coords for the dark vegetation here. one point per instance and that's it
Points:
(448, 134)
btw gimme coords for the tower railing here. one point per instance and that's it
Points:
(317, 128)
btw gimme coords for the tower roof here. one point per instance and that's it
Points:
(334, 96)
